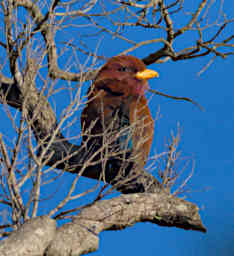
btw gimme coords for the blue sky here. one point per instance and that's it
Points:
(207, 137)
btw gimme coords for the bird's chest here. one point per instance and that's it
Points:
(116, 121)
(111, 120)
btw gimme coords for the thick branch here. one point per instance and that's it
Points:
(30, 239)
(63, 154)
(81, 235)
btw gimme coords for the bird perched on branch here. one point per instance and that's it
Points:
(116, 121)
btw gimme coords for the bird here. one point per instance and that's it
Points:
(117, 125)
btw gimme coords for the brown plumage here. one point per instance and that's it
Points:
(117, 112)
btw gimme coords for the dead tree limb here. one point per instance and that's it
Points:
(81, 236)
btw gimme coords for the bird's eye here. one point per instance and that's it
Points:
(122, 69)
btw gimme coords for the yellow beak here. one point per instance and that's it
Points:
(146, 74)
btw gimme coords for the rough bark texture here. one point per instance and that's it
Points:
(30, 239)
(38, 236)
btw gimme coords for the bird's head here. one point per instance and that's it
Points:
(124, 75)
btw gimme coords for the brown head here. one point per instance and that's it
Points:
(125, 75)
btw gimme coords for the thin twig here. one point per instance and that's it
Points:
(177, 98)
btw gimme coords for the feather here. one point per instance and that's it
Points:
(116, 119)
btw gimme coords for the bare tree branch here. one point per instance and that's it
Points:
(38, 237)
(43, 54)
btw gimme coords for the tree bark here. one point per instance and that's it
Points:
(81, 236)
(30, 239)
